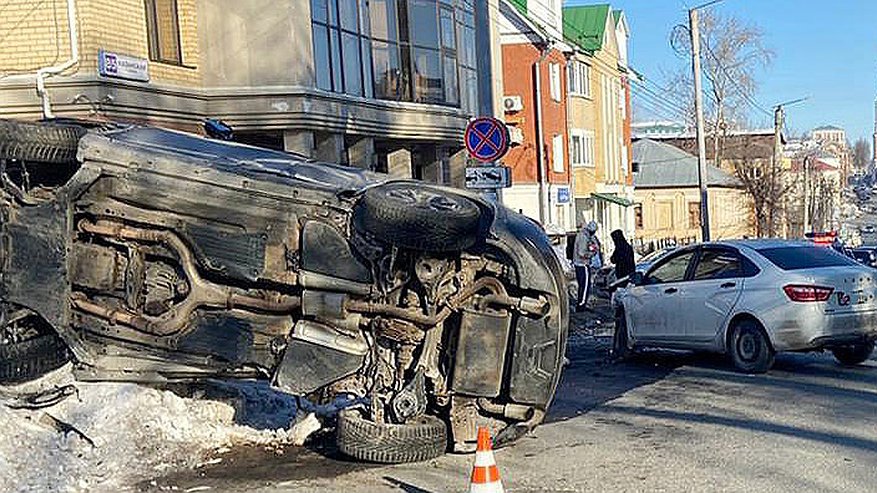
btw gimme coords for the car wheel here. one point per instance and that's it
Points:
(621, 340)
(426, 437)
(29, 348)
(39, 142)
(853, 354)
(418, 217)
(750, 348)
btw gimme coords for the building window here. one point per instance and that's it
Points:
(402, 50)
(579, 79)
(581, 148)
(554, 81)
(163, 31)
(339, 46)
(638, 216)
(694, 215)
(558, 153)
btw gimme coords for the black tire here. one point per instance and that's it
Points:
(39, 142)
(750, 348)
(853, 354)
(418, 217)
(620, 340)
(425, 438)
(32, 358)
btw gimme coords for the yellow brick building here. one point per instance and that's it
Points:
(667, 199)
(599, 117)
(337, 85)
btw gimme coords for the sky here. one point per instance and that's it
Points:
(823, 50)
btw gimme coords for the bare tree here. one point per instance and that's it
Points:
(768, 195)
(861, 154)
(732, 52)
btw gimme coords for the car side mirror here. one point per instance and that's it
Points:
(636, 278)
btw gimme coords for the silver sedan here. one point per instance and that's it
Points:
(750, 299)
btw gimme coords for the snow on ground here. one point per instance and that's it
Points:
(138, 432)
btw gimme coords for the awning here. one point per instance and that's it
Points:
(612, 198)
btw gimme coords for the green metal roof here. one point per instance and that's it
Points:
(623, 202)
(616, 16)
(585, 25)
(521, 5)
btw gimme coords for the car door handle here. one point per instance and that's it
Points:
(729, 285)
(670, 290)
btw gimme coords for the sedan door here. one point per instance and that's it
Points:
(653, 308)
(715, 287)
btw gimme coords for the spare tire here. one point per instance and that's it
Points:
(426, 437)
(39, 142)
(418, 217)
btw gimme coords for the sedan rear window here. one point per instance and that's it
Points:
(805, 257)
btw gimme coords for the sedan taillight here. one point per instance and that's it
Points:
(804, 294)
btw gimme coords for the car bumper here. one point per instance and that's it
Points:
(815, 329)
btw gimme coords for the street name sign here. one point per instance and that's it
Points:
(487, 177)
(122, 66)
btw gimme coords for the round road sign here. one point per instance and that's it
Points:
(487, 139)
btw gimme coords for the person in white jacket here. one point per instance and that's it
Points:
(586, 255)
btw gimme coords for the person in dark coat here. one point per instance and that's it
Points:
(622, 257)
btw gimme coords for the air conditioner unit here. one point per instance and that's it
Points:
(516, 136)
(512, 103)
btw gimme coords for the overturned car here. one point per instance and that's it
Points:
(157, 256)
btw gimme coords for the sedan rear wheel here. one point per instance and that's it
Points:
(750, 348)
(853, 354)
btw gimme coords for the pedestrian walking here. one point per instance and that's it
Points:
(587, 256)
(622, 257)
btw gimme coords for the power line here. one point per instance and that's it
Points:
(655, 109)
(666, 101)
(641, 93)
(645, 108)
(705, 5)
(670, 115)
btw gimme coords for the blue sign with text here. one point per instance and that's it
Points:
(563, 195)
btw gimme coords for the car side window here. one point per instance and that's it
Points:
(718, 264)
(672, 269)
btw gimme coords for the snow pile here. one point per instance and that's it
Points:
(137, 432)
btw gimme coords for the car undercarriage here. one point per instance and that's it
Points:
(156, 256)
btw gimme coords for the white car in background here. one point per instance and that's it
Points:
(750, 299)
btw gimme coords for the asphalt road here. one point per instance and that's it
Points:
(663, 422)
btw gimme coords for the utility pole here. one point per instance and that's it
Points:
(806, 224)
(778, 119)
(694, 29)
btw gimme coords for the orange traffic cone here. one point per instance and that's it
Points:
(485, 475)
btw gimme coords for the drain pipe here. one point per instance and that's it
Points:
(45, 72)
(540, 138)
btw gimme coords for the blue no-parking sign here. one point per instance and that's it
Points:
(487, 139)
